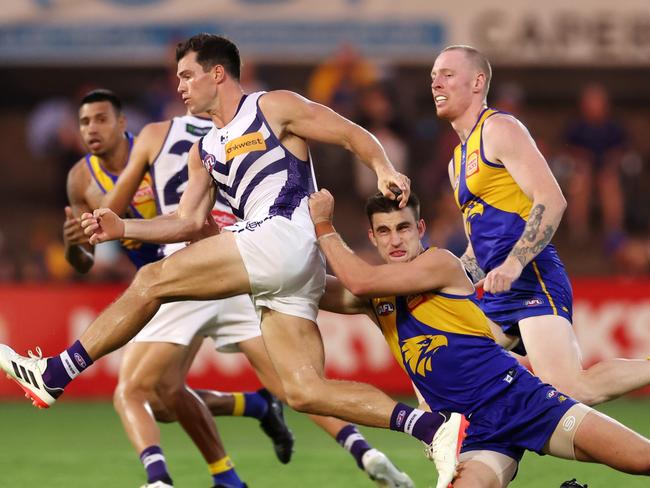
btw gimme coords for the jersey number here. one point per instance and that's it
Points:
(171, 194)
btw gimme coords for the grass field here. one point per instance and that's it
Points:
(77, 445)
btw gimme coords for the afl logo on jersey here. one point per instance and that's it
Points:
(385, 308)
(471, 165)
(209, 161)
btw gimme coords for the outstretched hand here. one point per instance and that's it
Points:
(395, 186)
(321, 206)
(102, 225)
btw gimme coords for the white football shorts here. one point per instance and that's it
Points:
(228, 321)
(285, 266)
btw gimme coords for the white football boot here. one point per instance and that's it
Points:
(383, 472)
(28, 373)
(445, 448)
(157, 484)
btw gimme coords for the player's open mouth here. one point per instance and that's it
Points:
(439, 99)
(397, 254)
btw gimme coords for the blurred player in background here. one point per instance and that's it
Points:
(103, 131)
(511, 207)
(155, 363)
(425, 305)
(102, 127)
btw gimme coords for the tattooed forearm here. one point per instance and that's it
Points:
(534, 222)
(533, 241)
(471, 266)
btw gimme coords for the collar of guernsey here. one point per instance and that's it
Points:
(143, 205)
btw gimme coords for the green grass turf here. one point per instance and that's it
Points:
(82, 445)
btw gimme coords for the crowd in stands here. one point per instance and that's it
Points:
(592, 153)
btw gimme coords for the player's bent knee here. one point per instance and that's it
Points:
(145, 280)
(302, 398)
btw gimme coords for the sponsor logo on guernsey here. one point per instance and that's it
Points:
(533, 302)
(471, 165)
(385, 308)
(561, 398)
(80, 361)
(245, 144)
(197, 131)
(418, 351)
(413, 301)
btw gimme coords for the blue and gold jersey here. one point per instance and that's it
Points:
(445, 345)
(495, 210)
(494, 207)
(143, 206)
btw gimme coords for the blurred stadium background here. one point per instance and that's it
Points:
(563, 69)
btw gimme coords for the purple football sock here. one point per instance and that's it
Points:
(154, 463)
(352, 440)
(62, 369)
(418, 423)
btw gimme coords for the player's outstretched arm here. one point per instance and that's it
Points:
(310, 120)
(146, 147)
(186, 224)
(507, 141)
(78, 251)
(435, 269)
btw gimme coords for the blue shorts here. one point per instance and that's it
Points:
(523, 417)
(542, 289)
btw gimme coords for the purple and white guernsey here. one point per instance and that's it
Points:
(254, 172)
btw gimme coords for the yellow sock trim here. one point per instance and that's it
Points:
(224, 464)
(240, 403)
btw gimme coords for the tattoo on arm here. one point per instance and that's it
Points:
(533, 239)
(471, 266)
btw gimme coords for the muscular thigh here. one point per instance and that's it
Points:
(552, 348)
(146, 364)
(295, 347)
(208, 269)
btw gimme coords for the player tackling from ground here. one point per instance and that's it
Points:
(258, 157)
(155, 363)
(511, 207)
(426, 307)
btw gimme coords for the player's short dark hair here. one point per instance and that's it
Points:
(103, 95)
(378, 203)
(211, 50)
(478, 58)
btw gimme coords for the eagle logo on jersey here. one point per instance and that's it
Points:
(418, 350)
(472, 210)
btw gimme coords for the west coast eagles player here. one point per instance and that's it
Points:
(425, 306)
(512, 206)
